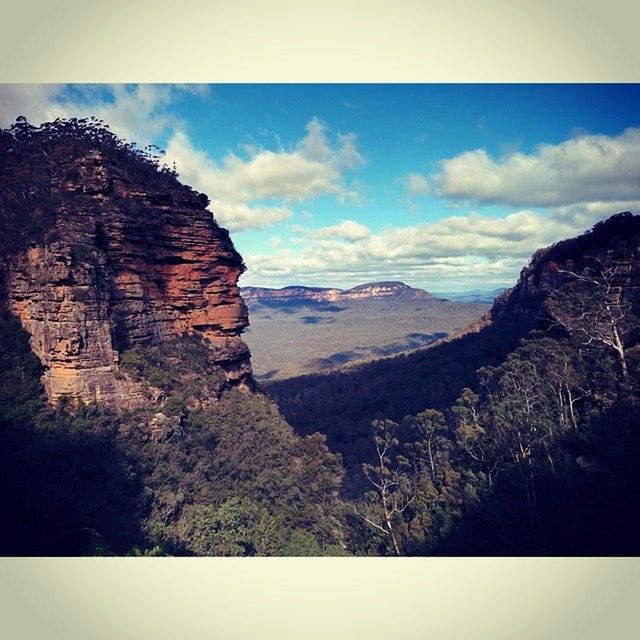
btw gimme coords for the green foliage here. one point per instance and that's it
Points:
(530, 462)
(182, 366)
(223, 473)
(241, 527)
(235, 528)
(32, 158)
(342, 405)
(153, 552)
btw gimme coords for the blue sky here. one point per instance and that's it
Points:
(446, 187)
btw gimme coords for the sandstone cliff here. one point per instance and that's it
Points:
(120, 255)
(318, 294)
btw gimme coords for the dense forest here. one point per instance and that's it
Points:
(228, 477)
(520, 437)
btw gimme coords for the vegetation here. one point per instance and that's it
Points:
(343, 404)
(534, 451)
(540, 461)
(39, 157)
(202, 474)
(522, 438)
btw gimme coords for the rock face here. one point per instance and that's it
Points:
(611, 248)
(126, 262)
(317, 294)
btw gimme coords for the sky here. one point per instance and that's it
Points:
(444, 187)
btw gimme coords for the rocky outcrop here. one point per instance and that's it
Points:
(610, 250)
(317, 294)
(384, 290)
(125, 262)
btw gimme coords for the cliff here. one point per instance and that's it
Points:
(319, 294)
(116, 254)
(609, 254)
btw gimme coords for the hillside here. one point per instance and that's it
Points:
(299, 330)
(131, 422)
(508, 427)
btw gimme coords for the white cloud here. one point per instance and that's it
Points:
(583, 216)
(231, 190)
(237, 186)
(587, 168)
(276, 241)
(415, 184)
(239, 216)
(138, 113)
(312, 168)
(346, 229)
(454, 252)
(34, 101)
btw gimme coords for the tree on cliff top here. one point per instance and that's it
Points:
(591, 306)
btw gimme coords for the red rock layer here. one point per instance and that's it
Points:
(125, 265)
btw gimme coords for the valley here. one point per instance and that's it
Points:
(296, 330)
(373, 421)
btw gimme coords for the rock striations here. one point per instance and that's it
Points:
(128, 257)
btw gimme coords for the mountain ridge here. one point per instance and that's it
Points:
(435, 374)
(378, 289)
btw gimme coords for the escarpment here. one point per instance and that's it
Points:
(390, 290)
(122, 255)
(609, 254)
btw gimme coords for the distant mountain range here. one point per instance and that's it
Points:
(298, 330)
(369, 290)
(320, 294)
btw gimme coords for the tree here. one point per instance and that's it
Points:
(393, 482)
(431, 448)
(236, 527)
(590, 305)
(472, 437)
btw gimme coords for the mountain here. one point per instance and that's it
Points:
(319, 294)
(128, 257)
(607, 258)
(290, 336)
(300, 330)
(130, 423)
(436, 375)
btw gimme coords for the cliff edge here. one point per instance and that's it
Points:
(103, 251)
